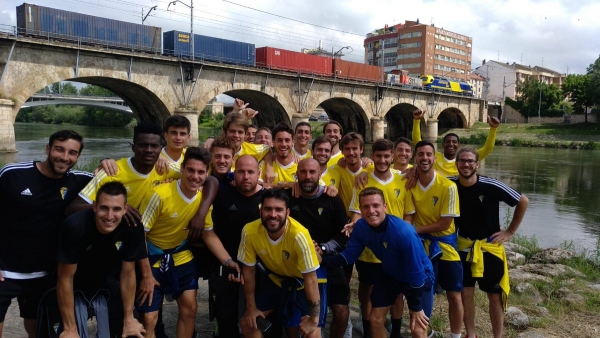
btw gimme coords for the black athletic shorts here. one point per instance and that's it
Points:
(28, 292)
(338, 290)
(368, 273)
(493, 271)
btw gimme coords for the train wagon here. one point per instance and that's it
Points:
(357, 71)
(401, 78)
(466, 88)
(45, 22)
(281, 59)
(177, 43)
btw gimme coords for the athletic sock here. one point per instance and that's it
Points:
(366, 328)
(455, 335)
(396, 326)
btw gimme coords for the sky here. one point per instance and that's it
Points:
(557, 34)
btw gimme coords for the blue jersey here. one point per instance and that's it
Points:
(396, 243)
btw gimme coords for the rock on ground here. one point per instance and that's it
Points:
(552, 255)
(550, 270)
(534, 334)
(516, 318)
(519, 275)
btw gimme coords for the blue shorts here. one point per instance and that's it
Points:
(292, 306)
(188, 280)
(368, 272)
(448, 274)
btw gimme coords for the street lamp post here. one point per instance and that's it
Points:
(191, 7)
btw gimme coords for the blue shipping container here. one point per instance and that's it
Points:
(62, 25)
(208, 48)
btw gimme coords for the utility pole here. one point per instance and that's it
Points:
(191, 7)
(540, 104)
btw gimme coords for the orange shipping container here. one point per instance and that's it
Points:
(357, 71)
(277, 58)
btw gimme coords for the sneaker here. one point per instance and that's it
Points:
(348, 333)
(430, 332)
(358, 324)
(159, 331)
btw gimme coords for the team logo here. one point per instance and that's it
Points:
(63, 192)
(56, 327)
(481, 198)
(320, 211)
(295, 177)
(118, 245)
(397, 192)
(332, 181)
(155, 183)
(435, 200)
(127, 188)
(286, 254)
(385, 245)
(259, 206)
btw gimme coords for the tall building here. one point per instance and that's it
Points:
(421, 49)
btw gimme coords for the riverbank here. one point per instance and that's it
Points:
(571, 136)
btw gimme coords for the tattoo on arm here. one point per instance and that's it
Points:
(314, 309)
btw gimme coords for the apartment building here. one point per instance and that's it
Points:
(421, 49)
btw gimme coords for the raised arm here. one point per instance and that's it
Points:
(416, 130)
(490, 141)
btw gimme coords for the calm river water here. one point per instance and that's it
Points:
(563, 186)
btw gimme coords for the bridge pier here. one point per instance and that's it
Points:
(431, 133)
(192, 115)
(7, 127)
(297, 118)
(377, 128)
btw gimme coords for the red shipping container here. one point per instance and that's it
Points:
(357, 71)
(281, 59)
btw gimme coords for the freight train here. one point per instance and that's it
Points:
(50, 23)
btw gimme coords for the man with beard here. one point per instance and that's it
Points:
(284, 166)
(234, 207)
(406, 268)
(480, 238)
(444, 162)
(285, 249)
(334, 132)
(399, 203)
(436, 202)
(33, 199)
(302, 137)
(324, 217)
(321, 152)
(166, 212)
(402, 154)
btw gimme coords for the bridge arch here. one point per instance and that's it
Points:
(348, 113)
(399, 121)
(451, 118)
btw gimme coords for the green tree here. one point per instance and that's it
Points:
(92, 90)
(529, 98)
(593, 89)
(65, 88)
(576, 86)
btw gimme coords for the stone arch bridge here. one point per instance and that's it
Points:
(156, 86)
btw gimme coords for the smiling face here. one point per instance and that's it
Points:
(322, 153)
(251, 134)
(382, 160)
(62, 156)
(352, 151)
(109, 211)
(222, 160)
(372, 209)
(467, 164)
(274, 214)
(263, 137)
(333, 133)
(193, 175)
(146, 149)
(236, 134)
(302, 136)
(424, 158)
(283, 144)
(402, 154)
(177, 138)
(450, 145)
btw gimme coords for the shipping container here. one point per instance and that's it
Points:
(56, 24)
(401, 78)
(207, 48)
(281, 59)
(357, 71)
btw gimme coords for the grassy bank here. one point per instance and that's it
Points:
(573, 136)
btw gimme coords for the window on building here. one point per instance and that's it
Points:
(409, 45)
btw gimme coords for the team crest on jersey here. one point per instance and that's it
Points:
(155, 183)
(332, 181)
(435, 200)
(286, 254)
(397, 192)
(118, 245)
(63, 192)
(259, 206)
(320, 211)
(56, 326)
(385, 245)
(481, 198)
(295, 177)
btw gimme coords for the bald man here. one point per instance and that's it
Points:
(324, 217)
(233, 208)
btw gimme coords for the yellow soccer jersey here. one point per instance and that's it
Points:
(165, 212)
(137, 184)
(398, 201)
(176, 164)
(438, 199)
(347, 178)
(448, 167)
(331, 177)
(258, 151)
(290, 256)
(283, 173)
(335, 158)
(300, 156)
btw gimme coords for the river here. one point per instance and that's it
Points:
(563, 185)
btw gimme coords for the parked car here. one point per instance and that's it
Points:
(313, 118)
(323, 117)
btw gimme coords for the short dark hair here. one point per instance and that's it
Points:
(223, 142)
(382, 145)
(265, 129)
(146, 127)
(114, 188)
(177, 121)
(319, 140)
(423, 143)
(276, 193)
(403, 140)
(468, 149)
(368, 191)
(352, 137)
(302, 123)
(196, 153)
(451, 134)
(282, 127)
(333, 122)
(63, 135)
